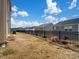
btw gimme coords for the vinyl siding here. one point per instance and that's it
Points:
(1, 22)
(62, 28)
(4, 20)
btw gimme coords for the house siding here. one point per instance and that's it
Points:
(7, 21)
(3, 20)
(74, 27)
(61, 27)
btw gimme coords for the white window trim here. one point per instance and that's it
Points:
(54, 28)
(67, 27)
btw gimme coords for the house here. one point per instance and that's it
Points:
(68, 28)
(5, 8)
(44, 27)
(68, 25)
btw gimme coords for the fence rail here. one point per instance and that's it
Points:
(60, 34)
(70, 40)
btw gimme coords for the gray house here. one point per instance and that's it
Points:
(68, 28)
(68, 25)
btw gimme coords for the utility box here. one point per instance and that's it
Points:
(5, 8)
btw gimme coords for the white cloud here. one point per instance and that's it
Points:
(14, 8)
(62, 19)
(52, 8)
(54, 20)
(73, 4)
(20, 13)
(21, 23)
(16, 12)
(13, 23)
(23, 13)
(51, 19)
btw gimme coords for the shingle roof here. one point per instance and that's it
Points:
(71, 21)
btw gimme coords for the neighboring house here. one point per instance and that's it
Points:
(5, 8)
(69, 26)
(45, 27)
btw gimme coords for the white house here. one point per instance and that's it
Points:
(5, 8)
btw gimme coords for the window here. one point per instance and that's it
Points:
(65, 27)
(54, 28)
(68, 28)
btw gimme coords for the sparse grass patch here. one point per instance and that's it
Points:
(8, 51)
(41, 39)
(38, 40)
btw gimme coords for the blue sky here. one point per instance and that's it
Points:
(27, 13)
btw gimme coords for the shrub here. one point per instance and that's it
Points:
(64, 42)
(54, 39)
(70, 42)
(77, 46)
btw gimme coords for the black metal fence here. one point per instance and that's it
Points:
(61, 37)
(61, 34)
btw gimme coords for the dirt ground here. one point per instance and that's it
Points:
(27, 46)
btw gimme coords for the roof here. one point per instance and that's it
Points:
(47, 26)
(71, 21)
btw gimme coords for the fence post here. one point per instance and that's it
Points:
(59, 34)
(44, 33)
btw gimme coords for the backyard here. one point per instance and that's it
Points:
(26, 46)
